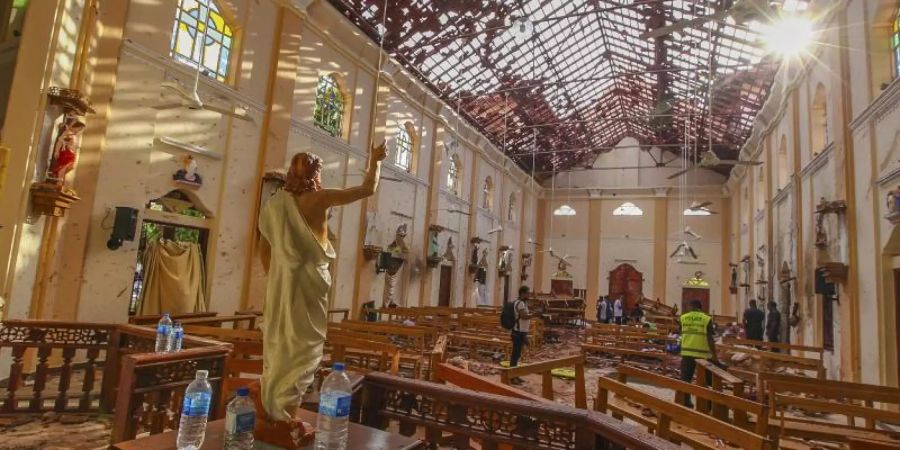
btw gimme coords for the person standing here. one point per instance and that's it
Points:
(697, 342)
(603, 310)
(773, 324)
(520, 330)
(618, 311)
(753, 322)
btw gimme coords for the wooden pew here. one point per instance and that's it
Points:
(770, 361)
(474, 344)
(446, 373)
(710, 376)
(727, 408)
(490, 325)
(245, 321)
(417, 338)
(672, 421)
(153, 319)
(544, 368)
(853, 401)
(790, 349)
(363, 355)
(625, 353)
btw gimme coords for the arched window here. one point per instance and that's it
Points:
(819, 120)
(403, 158)
(511, 207)
(453, 172)
(895, 41)
(195, 19)
(329, 112)
(487, 202)
(628, 209)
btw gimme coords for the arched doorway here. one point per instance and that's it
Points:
(695, 288)
(628, 283)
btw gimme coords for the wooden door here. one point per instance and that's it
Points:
(688, 294)
(626, 282)
(445, 286)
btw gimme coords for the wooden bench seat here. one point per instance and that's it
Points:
(624, 353)
(765, 361)
(672, 421)
(855, 402)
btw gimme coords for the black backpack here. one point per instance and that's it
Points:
(508, 316)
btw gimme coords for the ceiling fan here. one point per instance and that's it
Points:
(742, 11)
(709, 160)
(701, 207)
(191, 100)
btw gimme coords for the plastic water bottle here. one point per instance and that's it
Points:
(175, 337)
(334, 410)
(240, 418)
(194, 411)
(163, 330)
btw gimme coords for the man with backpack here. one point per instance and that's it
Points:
(516, 318)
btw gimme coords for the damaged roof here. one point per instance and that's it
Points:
(585, 78)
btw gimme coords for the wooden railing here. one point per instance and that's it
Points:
(111, 360)
(155, 383)
(62, 349)
(493, 421)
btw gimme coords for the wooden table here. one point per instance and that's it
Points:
(360, 438)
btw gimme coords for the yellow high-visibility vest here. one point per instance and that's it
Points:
(693, 335)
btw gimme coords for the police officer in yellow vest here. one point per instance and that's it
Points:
(697, 342)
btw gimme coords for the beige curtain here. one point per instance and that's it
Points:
(174, 278)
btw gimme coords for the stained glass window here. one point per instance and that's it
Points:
(403, 158)
(329, 112)
(202, 37)
(895, 42)
(453, 175)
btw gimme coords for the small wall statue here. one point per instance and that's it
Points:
(483, 262)
(450, 252)
(60, 144)
(65, 147)
(399, 245)
(734, 278)
(893, 206)
(434, 248)
(187, 174)
(504, 265)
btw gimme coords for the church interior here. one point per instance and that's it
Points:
(381, 183)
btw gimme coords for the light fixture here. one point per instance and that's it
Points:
(564, 210)
(787, 36)
(521, 28)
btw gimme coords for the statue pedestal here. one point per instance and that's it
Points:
(283, 434)
(52, 199)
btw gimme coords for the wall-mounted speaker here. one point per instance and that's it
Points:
(123, 227)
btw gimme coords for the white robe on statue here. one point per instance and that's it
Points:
(296, 309)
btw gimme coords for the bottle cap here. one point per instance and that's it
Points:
(177, 324)
(243, 391)
(165, 314)
(202, 374)
(337, 367)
